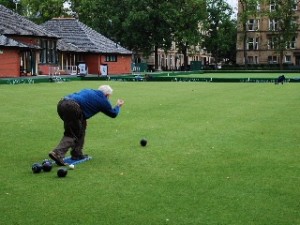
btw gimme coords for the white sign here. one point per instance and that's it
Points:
(82, 68)
(103, 70)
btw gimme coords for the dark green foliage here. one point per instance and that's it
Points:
(220, 39)
(8, 4)
(40, 11)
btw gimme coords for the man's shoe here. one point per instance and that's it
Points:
(59, 161)
(79, 157)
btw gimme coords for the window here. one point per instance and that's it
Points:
(43, 58)
(273, 25)
(48, 52)
(111, 58)
(291, 44)
(294, 23)
(272, 5)
(252, 44)
(272, 59)
(288, 59)
(253, 59)
(295, 5)
(253, 6)
(272, 43)
(250, 59)
(258, 6)
(253, 25)
(52, 51)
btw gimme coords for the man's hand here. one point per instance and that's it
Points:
(120, 102)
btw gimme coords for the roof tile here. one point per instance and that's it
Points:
(12, 23)
(75, 33)
(8, 42)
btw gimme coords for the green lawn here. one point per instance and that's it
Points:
(246, 75)
(217, 153)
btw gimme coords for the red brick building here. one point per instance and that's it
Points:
(66, 44)
(20, 44)
(81, 44)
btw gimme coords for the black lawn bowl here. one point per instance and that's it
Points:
(36, 168)
(143, 142)
(62, 172)
(47, 165)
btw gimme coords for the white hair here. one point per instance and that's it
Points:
(106, 89)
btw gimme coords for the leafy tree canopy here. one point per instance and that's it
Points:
(220, 27)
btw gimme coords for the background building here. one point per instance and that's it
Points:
(171, 60)
(257, 42)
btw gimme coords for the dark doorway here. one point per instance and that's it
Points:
(297, 60)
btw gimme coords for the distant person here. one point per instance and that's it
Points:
(74, 110)
(280, 79)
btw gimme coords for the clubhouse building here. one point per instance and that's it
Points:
(61, 45)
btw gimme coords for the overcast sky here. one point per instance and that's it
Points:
(233, 3)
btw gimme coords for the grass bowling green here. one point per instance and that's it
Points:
(220, 153)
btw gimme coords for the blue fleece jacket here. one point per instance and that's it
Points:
(92, 102)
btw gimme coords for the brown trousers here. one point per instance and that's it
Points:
(74, 128)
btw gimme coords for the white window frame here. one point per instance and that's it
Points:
(272, 42)
(252, 43)
(291, 44)
(258, 6)
(253, 25)
(273, 25)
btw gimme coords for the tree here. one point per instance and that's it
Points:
(220, 27)
(139, 25)
(8, 4)
(187, 20)
(158, 23)
(39, 11)
(230, 38)
(12, 4)
(147, 25)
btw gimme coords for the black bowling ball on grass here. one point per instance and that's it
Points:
(36, 168)
(47, 165)
(143, 142)
(62, 172)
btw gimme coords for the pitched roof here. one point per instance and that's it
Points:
(8, 42)
(12, 23)
(5, 41)
(83, 37)
(67, 47)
